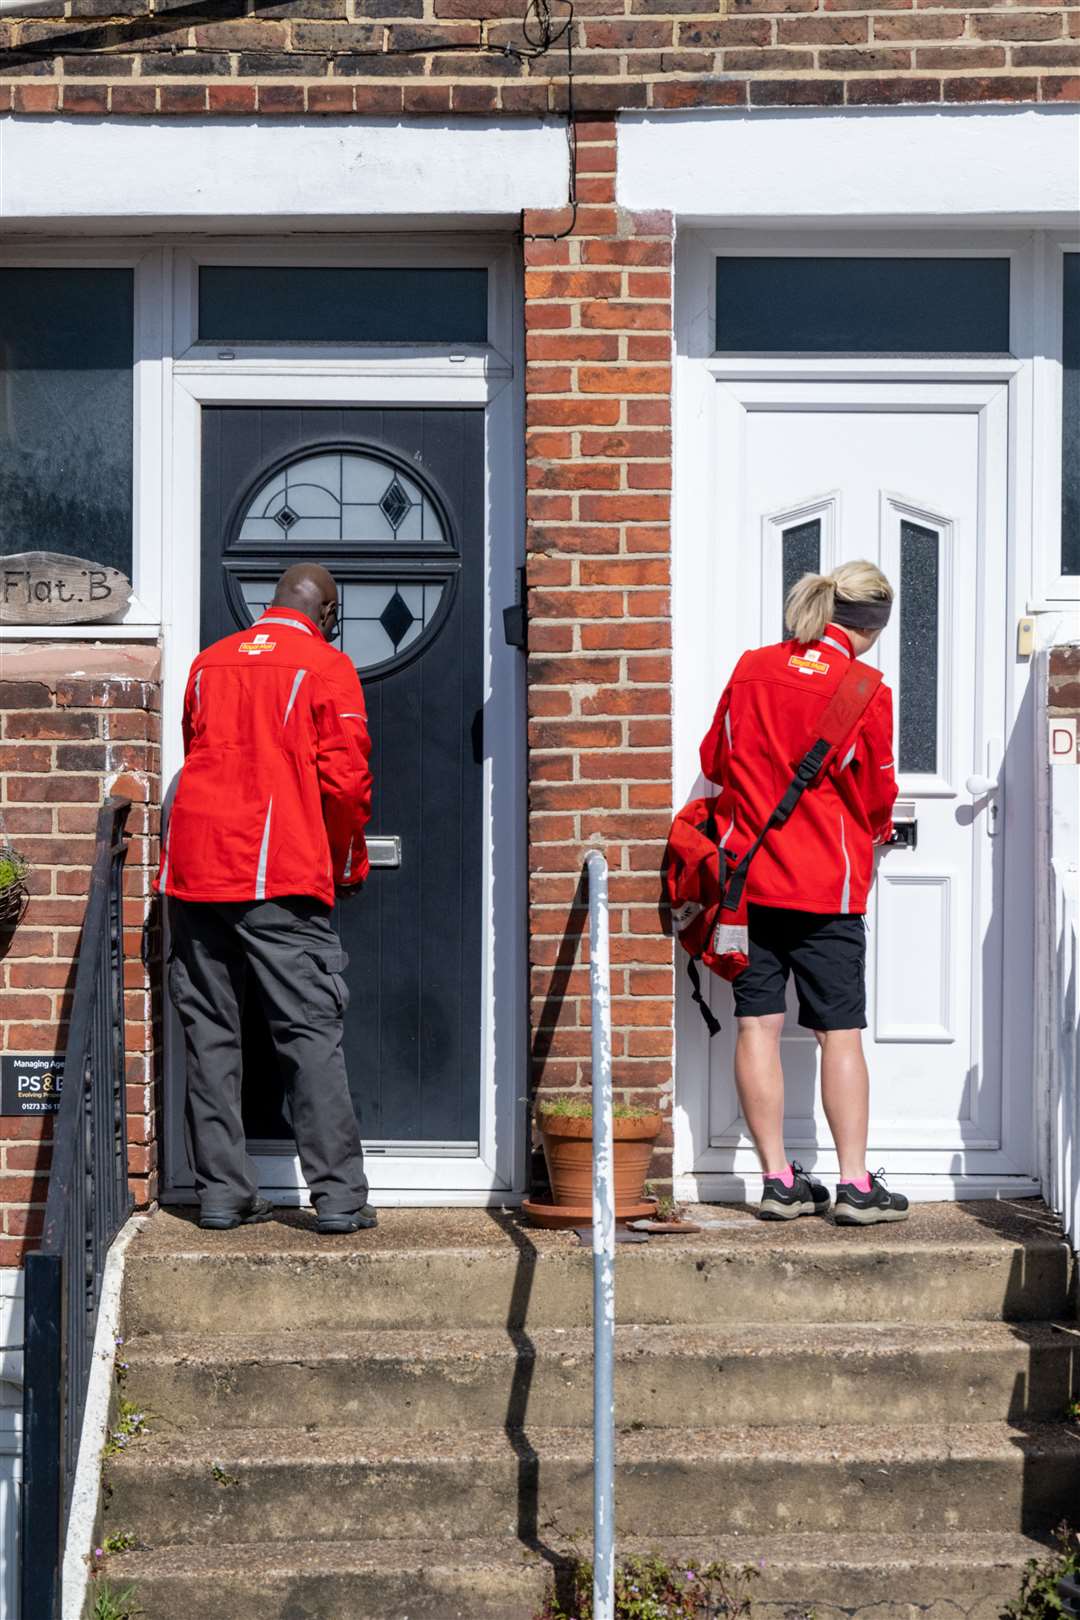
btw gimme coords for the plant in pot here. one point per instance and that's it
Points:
(14, 870)
(565, 1125)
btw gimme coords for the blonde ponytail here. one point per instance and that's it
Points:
(811, 602)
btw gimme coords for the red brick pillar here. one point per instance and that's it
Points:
(598, 386)
(79, 723)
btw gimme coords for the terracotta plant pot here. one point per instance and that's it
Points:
(568, 1151)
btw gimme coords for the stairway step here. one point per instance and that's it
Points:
(797, 1372)
(269, 1485)
(855, 1577)
(451, 1268)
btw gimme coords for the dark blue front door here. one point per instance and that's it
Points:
(391, 501)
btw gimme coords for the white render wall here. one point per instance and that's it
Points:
(811, 166)
(138, 170)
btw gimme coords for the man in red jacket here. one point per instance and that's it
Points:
(267, 824)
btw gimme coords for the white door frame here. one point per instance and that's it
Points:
(706, 636)
(407, 376)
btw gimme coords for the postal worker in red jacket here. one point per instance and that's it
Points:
(267, 825)
(808, 884)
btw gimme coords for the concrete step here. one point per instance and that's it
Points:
(483, 1268)
(415, 1380)
(338, 1485)
(839, 1577)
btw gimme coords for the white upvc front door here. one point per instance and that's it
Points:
(804, 474)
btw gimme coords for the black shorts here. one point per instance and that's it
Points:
(827, 955)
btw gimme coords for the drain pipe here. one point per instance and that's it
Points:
(603, 1241)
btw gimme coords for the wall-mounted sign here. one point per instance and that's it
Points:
(44, 587)
(30, 1083)
(1063, 746)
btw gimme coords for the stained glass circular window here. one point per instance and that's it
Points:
(321, 507)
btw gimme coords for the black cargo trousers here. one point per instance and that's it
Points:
(287, 950)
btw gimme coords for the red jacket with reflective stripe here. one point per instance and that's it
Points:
(275, 791)
(822, 859)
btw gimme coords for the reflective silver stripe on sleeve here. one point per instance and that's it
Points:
(827, 641)
(198, 688)
(297, 679)
(290, 624)
(727, 727)
(845, 893)
(264, 855)
(848, 757)
(348, 861)
(727, 835)
(350, 716)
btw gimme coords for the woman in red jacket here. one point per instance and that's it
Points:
(808, 884)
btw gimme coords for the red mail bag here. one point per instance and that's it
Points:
(705, 884)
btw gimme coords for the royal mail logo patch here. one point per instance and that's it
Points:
(807, 666)
(261, 644)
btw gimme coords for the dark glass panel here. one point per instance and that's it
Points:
(862, 306)
(66, 391)
(263, 304)
(1070, 418)
(919, 568)
(801, 555)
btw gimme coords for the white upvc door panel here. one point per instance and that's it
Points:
(912, 476)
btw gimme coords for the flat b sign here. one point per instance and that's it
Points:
(45, 587)
(30, 1083)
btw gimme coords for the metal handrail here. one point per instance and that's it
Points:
(88, 1202)
(603, 1244)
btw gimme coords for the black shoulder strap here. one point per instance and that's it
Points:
(842, 713)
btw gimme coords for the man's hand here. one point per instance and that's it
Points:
(346, 892)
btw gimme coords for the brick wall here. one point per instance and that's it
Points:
(598, 403)
(386, 57)
(78, 723)
(1063, 696)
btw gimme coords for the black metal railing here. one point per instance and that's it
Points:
(88, 1203)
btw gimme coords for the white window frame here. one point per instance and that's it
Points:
(175, 376)
(142, 619)
(1050, 587)
(698, 370)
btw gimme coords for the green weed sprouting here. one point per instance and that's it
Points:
(131, 1425)
(110, 1605)
(653, 1589)
(1038, 1598)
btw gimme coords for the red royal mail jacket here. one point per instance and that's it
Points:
(822, 859)
(275, 791)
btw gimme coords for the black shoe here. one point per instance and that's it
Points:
(805, 1196)
(855, 1208)
(223, 1220)
(362, 1221)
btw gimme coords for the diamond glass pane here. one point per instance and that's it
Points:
(918, 707)
(380, 621)
(801, 555)
(340, 496)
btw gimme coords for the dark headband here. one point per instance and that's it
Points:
(872, 614)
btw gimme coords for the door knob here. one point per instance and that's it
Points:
(977, 786)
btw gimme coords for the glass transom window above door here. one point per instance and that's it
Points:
(373, 525)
